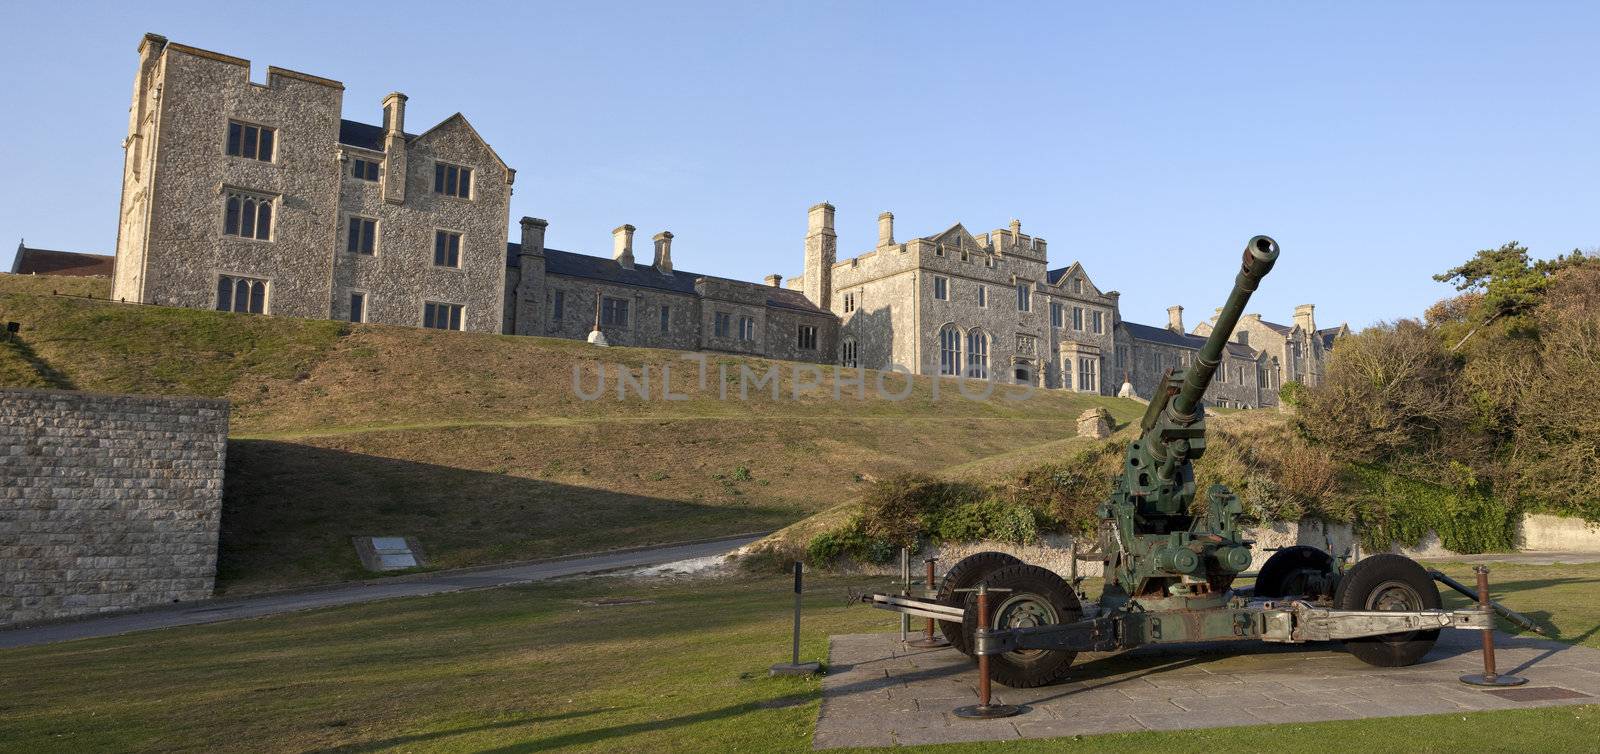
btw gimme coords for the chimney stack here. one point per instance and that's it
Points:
(394, 113)
(1305, 317)
(533, 235)
(776, 281)
(1175, 318)
(885, 229)
(664, 252)
(622, 245)
(822, 249)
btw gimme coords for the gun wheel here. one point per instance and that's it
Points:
(1394, 583)
(1295, 571)
(966, 573)
(1038, 597)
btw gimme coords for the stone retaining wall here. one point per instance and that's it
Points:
(107, 502)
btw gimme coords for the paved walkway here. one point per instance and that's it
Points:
(213, 611)
(880, 693)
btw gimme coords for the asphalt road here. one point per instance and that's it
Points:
(213, 611)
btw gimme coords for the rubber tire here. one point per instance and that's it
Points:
(1040, 666)
(1390, 650)
(966, 574)
(1272, 580)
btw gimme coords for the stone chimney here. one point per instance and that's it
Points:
(622, 245)
(1175, 318)
(1305, 317)
(885, 229)
(394, 147)
(664, 252)
(776, 281)
(822, 250)
(533, 236)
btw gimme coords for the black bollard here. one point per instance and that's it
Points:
(795, 666)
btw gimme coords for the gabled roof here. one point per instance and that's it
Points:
(1059, 275)
(1328, 334)
(1277, 328)
(558, 262)
(955, 235)
(468, 125)
(1183, 340)
(50, 262)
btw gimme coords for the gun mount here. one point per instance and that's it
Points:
(1161, 549)
(1169, 565)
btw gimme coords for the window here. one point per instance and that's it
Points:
(847, 352)
(441, 316)
(747, 330)
(983, 295)
(558, 305)
(366, 170)
(949, 350)
(849, 302)
(363, 236)
(452, 180)
(614, 312)
(941, 288)
(1222, 375)
(1077, 285)
(1089, 374)
(988, 261)
(247, 215)
(977, 354)
(964, 256)
(1122, 357)
(666, 319)
(246, 295)
(358, 307)
(807, 338)
(938, 251)
(1022, 298)
(446, 249)
(1098, 318)
(1077, 318)
(1056, 314)
(723, 324)
(250, 142)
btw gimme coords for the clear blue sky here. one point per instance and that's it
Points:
(1379, 144)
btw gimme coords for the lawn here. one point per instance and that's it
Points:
(476, 444)
(551, 666)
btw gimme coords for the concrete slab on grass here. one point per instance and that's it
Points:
(879, 692)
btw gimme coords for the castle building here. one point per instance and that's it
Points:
(263, 199)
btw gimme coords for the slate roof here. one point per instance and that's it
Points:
(48, 262)
(1327, 335)
(558, 262)
(1182, 340)
(1277, 328)
(363, 135)
(1054, 276)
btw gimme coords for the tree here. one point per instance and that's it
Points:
(1508, 284)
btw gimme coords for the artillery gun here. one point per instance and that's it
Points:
(1169, 569)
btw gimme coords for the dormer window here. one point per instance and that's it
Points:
(452, 180)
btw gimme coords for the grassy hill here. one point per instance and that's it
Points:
(477, 445)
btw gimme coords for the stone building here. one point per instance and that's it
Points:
(561, 294)
(260, 198)
(263, 199)
(1299, 350)
(956, 304)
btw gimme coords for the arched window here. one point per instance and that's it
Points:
(977, 354)
(847, 352)
(950, 350)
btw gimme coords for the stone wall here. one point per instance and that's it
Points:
(109, 502)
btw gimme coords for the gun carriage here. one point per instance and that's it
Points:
(1169, 565)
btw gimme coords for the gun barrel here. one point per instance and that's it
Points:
(1259, 256)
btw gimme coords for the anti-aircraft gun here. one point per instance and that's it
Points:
(1169, 565)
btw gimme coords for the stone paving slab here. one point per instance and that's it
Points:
(879, 692)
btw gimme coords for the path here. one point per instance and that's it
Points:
(213, 611)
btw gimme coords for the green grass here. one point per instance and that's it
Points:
(476, 445)
(534, 668)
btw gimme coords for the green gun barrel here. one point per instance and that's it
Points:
(1259, 256)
